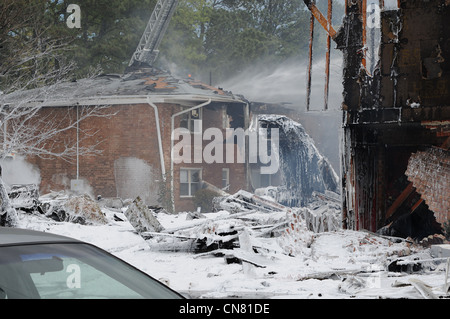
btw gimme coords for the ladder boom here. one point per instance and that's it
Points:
(147, 49)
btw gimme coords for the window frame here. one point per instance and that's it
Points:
(227, 186)
(190, 121)
(189, 182)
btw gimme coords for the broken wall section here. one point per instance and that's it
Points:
(429, 171)
(385, 114)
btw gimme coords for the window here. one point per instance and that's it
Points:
(192, 121)
(71, 271)
(190, 181)
(225, 178)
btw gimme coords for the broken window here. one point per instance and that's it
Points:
(430, 52)
(235, 116)
(192, 121)
(190, 181)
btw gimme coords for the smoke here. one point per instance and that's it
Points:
(286, 84)
(19, 171)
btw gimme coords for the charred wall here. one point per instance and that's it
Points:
(402, 108)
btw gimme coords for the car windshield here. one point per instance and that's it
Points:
(72, 270)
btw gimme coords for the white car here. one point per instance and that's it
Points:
(36, 265)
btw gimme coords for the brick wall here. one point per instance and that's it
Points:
(429, 172)
(130, 134)
(211, 173)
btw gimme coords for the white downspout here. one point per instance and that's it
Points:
(78, 145)
(171, 146)
(158, 133)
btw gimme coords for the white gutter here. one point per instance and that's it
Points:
(78, 145)
(171, 146)
(158, 132)
(182, 99)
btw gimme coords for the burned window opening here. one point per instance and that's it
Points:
(236, 116)
(188, 120)
(431, 62)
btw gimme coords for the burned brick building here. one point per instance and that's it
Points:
(164, 139)
(142, 108)
(396, 111)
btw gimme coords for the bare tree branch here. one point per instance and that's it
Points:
(33, 70)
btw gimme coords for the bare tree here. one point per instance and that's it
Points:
(33, 71)
(29, 128)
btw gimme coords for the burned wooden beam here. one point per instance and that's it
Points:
(400, 199)
(324, 22)
(327, 58)
(310, 53)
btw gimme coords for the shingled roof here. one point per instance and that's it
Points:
(134, 85)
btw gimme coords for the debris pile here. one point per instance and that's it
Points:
(234, 215)
(245, 226)
(84, 210)
(270, 245)
(141, 217)
(58, 206)
(24, 197)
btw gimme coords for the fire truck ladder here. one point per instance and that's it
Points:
(147, 49)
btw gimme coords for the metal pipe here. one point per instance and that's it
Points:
(311, 39)
(78, 145)
(158, 133)
(364, 28)
(172, 125)
(327, 63)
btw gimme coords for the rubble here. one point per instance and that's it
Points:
(141, 217)
(243, 200)
(244, 215)
(324, 214)
(439, 251)
(81, 209)
(268, 242)
(84, 210)
(58, 206)
(433, 240)
(111, 202)
(25, 197)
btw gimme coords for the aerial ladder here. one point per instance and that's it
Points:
(147, 49)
